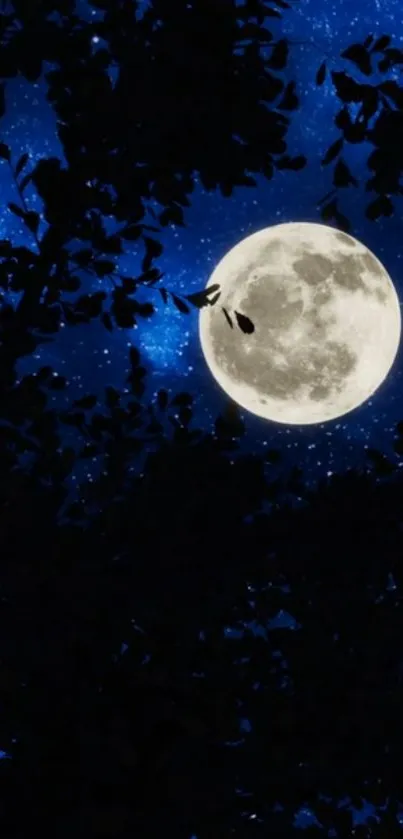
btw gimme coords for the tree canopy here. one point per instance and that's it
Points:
(137, 698)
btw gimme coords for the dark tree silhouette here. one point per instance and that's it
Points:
(378, 122)
(126, 708)
(189, 98)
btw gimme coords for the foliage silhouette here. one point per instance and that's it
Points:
(144, 695)
(244, 323)
(124, 702)
(114, 149)
(377, 122)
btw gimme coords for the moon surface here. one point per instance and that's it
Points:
(327, 323)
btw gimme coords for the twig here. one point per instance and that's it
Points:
(24, 203)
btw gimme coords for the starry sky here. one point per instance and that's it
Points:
(91, 357)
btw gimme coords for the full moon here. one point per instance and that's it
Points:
(326, 317)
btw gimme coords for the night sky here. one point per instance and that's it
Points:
(91, 357)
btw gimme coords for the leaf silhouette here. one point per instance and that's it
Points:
(154, 427)
(346, 88)
(21, 163)
(393, 56)
(398, 446)
(152, 276)
(343, 119)
(228, 319)
(392, 90)
(44, 373)
(25, 181)
(2, 112)
(134, 356)
(57, 383)
(183, 399)
(342, 176)
(82, 257)
(294, 163)
(5, 153)
(289, 101)
(153, 250)
(87, 402)
(244, 323)
(112, 245)
(370, 105)
(204, 298)
(129, 285)
(268, 12)
(32, 220)
(90, 305)
(230, 422)
(131, 233)
(279, 55)
(384, 64)
(333, 151)
(18, 211)
(248, 32)
(112, 397)
(164, 294)
(381, 206)
(136, 380)
(180, 304)
(272, 456)
(360, 56)
(381, 43)
(145, 310)
(321, 74)
(329, 210)
(382, 465)
(107, 321)
(102, 267)
(172, 215)
(342, 222)
(162, 399)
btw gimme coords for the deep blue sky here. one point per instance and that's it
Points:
(92, 357)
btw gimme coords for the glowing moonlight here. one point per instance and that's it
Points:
(327, 323)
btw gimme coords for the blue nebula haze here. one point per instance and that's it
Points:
(91, 358)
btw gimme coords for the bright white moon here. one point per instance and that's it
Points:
(327, 323)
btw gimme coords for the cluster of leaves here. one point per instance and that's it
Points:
(202, 99)
(378, 122)
(123, 704)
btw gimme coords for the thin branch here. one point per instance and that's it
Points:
(24, 203)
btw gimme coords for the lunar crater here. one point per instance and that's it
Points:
(327, 324)
(313, 268)
(273, 303)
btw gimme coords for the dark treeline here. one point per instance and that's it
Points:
(126, 711)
